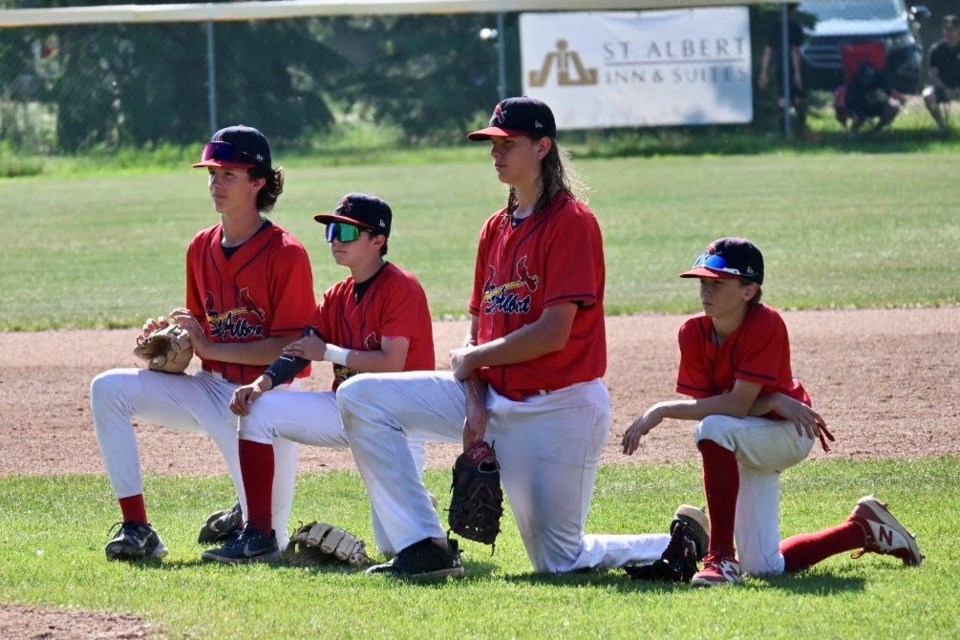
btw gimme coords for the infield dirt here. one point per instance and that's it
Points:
(885, 381)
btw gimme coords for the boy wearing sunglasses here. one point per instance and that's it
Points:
(376, 320)
(755, 420)
(249, 293)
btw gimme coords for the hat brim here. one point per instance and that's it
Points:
(706, 272)
(219, 164)
(327, 218)
(495, 132)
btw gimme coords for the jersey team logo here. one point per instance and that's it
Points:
(504, 298)
(241, 323)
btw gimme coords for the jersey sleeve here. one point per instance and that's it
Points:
(694, 378)
(194, 257)
(575, 255)
(292, 291)
(403, 309)
(762, 350)
(480, 275)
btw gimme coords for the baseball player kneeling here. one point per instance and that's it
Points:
(527, 380)
(755, 420)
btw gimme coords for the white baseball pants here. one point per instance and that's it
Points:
(198, 403)
(549, 448)
(311, 418)
(763, 448)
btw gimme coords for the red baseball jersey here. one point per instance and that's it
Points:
(264, 290)
(757, 351)
(554, 256)
(394, 306)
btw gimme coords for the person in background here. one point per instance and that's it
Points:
(944, 70)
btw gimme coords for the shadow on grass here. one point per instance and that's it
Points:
(613, 578)
(811, 584)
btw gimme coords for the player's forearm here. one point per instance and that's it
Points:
(259, 353)
(764, 404)
(520, 346)
(726, 404)
(375, 361)
(549, 333)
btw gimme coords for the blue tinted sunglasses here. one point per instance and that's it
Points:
(716, 262)
(343, 232)
(226, 152)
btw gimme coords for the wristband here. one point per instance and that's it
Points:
(336, 355)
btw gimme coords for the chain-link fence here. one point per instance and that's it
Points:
(65, 89)
(68, 89)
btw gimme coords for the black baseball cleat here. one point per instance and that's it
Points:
(250, 545)
(135, 541)
(424, 559)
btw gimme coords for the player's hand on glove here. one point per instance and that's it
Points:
(319, 543)
(641, 427)
(198, 337)
(164, 346)
(244, 397)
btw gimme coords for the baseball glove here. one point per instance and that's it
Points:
(319, 543)
(477, 502)
(678, 562)
(167, 349)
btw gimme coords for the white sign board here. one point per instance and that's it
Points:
(625, 69)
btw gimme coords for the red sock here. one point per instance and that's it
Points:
(133, 509)
(256, 467)
(721, 481)
(807, 549)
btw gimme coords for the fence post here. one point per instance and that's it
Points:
(785, 71)
(211, 78)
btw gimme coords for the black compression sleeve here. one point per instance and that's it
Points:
(285, 368)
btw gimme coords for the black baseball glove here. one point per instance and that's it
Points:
(678, 562)
(477, 502)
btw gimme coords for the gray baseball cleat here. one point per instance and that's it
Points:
(221, 525)
(135, 541)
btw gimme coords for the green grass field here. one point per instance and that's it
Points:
(858, 230)
(47, 558)
(869, 229)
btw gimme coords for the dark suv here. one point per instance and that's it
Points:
(840, 22)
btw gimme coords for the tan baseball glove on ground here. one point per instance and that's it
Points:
(320, 543)
(167, 349)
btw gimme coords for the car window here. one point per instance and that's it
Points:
(854, 9)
